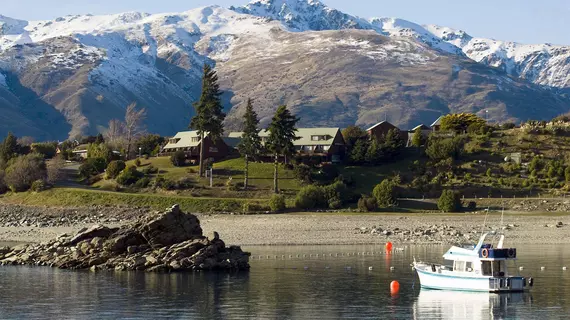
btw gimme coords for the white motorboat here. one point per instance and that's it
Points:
(482, 268)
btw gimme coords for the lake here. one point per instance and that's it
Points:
(286, 283)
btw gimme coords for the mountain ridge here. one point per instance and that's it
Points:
(88, 68)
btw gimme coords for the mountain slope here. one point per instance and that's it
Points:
(71, 75)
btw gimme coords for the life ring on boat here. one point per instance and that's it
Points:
(511, 253)
(485, 253)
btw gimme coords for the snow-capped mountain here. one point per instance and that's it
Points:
(71, 75)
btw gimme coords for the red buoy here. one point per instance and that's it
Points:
(394, 287)
(389, 246)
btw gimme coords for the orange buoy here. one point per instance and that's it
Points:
(394, 287)
(388, 246)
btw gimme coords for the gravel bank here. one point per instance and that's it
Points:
(36, 224)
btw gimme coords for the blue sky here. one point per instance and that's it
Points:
(527, 21)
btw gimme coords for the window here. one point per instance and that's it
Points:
(173, 140)
(319, 138)
(315, 138)
(195, 139)
(469, 266)
(459, 266)
(213, 149)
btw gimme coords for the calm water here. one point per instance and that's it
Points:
(285, 288)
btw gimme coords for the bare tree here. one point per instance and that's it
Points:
(134, 125)
(54, 167)
(115, 133)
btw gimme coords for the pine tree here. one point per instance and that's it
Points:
(281, 136)
(418, 138)
(392, 145)
(209, 112)
(250, 144)
(374, 153)
(9, 148)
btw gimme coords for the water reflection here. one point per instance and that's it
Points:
(320, 287)
(439, 304)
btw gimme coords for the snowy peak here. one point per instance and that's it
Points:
(9, 26)
(394, 27)
(458, 38)
(303, 15)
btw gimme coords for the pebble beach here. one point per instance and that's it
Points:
(36, 224)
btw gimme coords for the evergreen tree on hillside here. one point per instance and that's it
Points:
(250, 144)
(281, 136)
(9, 148)
(392, 145)
(418, 138)
(209, 111)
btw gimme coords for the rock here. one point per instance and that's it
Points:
(169, 241)
(559, 224)
(95, 231)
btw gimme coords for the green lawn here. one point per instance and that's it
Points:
(260, 174)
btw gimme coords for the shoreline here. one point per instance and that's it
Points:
(20, 224)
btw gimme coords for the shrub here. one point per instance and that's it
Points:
(230, 186)
(367, 204)
(24, 170)
(142, 183)
(92, 166)
(303, 173)
(3, 186)
(310, 197)
(38, 186)
(449, 201)
(327, 173)
(178, 159)
(385, 194)
(146, 157)
(150, 169)
(114, 168)
(47, 149)
(251, 207)
(128, 176)
(137, 162)
(472, 206)
(277, 203)
(468, 177)
(184, 183)
(489, 173)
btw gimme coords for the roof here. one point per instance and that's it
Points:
(81, 147)
(437, 122)
(421, 127)
(381, 123)
(304, 134)
(185, 140)
(232, 141)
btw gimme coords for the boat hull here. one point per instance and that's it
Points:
(442, 281)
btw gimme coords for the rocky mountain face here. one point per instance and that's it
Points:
(71, 75)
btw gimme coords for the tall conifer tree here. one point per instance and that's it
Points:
(250, 144)
(281, 136)
(210, 114)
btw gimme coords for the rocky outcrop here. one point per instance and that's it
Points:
(163, 242)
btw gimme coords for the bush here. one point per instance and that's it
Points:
(137, 162)
(489, 173)
(178, 159)
(230, 186)
(38, 186)
(277, 203)
(114, 168)
(449, 201)
(310, 197)
(472, 206)
(24, 170)
(367, 204)
(142, 183)
(468, 177)
(3, 186)
(150, 169)
(385, 194)
(128, 176)
(251, 207)
(327, 173)
(47, 149)
(184, 183)
(303, 173)
(92, 167)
